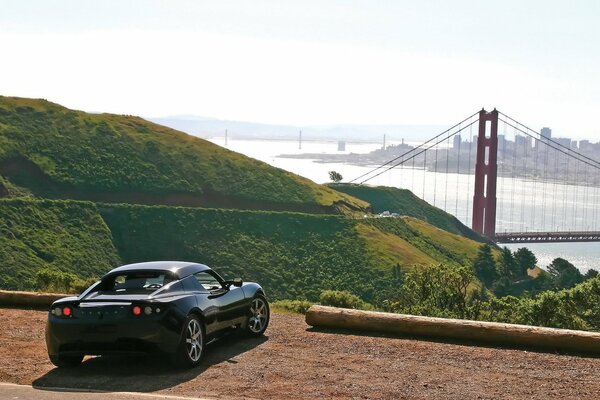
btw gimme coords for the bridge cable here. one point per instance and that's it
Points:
(412, 178)
(447, 170)
(534, 176)
(418, 153)
(521, 186)
(411, 150)
(469, 174)
(544, 175)
(575, 197)
(512, 179)
(585, 196)
(554, 191)
(596, 198)
(424, 172)
(457, 175)
(435, 170)
(565, 194)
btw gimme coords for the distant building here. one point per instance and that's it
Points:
(523, 143)
(546, 133)
(341, 145)
(566, 142)
(456, 142)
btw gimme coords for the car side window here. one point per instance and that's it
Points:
(208, 281)
(191, 284)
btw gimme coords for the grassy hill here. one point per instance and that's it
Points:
(293, 255)
(55, 152)
(65, 236)
(404, 202)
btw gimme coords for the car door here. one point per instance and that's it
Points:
(227, 304)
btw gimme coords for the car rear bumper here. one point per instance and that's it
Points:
(70, 336)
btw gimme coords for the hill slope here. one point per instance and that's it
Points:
(64, 236)
(404, 202)
(60, 153)
(293, 255)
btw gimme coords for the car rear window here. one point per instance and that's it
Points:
(136, 282)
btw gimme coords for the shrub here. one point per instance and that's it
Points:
(294, 306)
(343, 299)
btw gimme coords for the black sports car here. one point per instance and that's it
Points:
(154, 307)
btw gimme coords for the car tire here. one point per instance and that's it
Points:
(63, 361)
(260, 314)
(192, 343)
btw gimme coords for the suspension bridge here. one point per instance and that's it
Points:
(504, 179)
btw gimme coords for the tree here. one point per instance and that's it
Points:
(525, 260)
(591, 273)
(484, 265)
(565, 275)
(508, 266)
(335, 176)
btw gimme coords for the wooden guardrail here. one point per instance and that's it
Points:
(488, 332)
(28, 299)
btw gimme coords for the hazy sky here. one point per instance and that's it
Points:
(310, 62)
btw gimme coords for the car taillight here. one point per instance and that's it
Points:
(136, 310)
(62, 311)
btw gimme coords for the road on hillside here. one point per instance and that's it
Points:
(295, 361)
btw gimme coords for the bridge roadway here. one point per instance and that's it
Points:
(546, 237)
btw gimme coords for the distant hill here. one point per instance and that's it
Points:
(404, 202)
(209, 127)
(54, 152)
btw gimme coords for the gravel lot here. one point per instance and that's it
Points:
(296, 362)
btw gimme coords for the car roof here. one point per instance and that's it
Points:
(180, 268)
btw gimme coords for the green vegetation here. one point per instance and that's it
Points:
(55, 152)
(295, 256)
(53, 281)
(61, 236)
(453, 292)
(404, 202)
(343, 299)
(291, 306)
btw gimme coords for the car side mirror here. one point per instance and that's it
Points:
(237, 282)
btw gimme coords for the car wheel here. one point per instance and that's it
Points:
(191, 345)
(64, 361)
(259, 316)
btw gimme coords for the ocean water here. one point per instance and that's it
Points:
(522, 205)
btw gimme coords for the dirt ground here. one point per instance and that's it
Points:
(294, 361)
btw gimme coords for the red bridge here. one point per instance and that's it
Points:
(526, 186)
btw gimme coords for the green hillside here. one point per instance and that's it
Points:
(62, 235)
(293, 255)
(54, 152)
(404, 202)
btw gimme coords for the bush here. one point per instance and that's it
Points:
(343, 299)
(294, 306)
(48, 280)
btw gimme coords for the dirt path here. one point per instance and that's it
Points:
(294, 362)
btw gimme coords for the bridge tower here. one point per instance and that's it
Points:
(486, 169)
